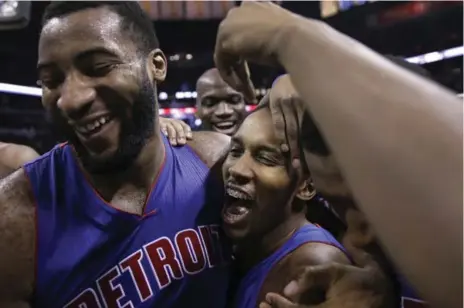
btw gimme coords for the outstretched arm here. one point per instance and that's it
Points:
(398, 141)
(396, 137)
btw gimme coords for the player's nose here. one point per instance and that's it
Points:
(224, 110)
(241, 171)
(76, 97)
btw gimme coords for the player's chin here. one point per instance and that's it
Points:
(236, 228)
(234, 233)
(102, 154)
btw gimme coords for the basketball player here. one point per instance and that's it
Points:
(264, 214)
(13, 156)
(116, 216)
(359, 237)
(219, 107)
(402, 131)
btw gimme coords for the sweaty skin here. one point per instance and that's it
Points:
(65, 50)
(220, 107)
(255, 166)
(13, 156)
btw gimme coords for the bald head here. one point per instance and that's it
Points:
(210, 76)
(220, 108)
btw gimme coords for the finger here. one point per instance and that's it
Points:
(224, 63)
(242, 71)
(224, 58)
(264, 305)
(187, 130)
(293, 135)
(278, 301)
(163, 129)
(319, 276)
(172, 135)
(232, 69)
(291, 127)
(180, 133)
(278, 120)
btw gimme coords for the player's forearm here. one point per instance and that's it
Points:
(398, 141)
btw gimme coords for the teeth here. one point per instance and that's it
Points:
(237, 194)
(225, 125)
(88, 128)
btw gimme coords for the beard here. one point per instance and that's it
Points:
(135, 131)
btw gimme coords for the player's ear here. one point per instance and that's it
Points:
(306, 191)
(157, 65)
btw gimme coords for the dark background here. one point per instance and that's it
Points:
(407, 28)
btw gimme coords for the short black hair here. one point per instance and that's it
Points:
(412, 67)
(135, 21)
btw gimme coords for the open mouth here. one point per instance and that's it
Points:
(91, 128)
(238, 206)
(225, 127)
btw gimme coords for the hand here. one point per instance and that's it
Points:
(251, 32)
(300, 138)
(343, 285)
(287, 113)
(177, 131)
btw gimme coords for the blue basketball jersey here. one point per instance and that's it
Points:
(89, 254)
(250, 286)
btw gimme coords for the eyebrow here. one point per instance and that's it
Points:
(270, 149)
(260, 147)
(81, 55)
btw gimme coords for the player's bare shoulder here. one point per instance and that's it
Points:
(211, 147)
(17, 240)
(317, 253)
(13, 156)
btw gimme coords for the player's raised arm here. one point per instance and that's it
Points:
(396, 136)
(17, 241)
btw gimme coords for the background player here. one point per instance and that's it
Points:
(264, 214)
(220, 107)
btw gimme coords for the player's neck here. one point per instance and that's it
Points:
(143, 170)
(253, 250)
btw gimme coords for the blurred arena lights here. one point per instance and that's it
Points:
(34, 91)
(437, 55)
(180, 112)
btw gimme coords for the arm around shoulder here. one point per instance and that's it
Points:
(211, 147)
(17, 240)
